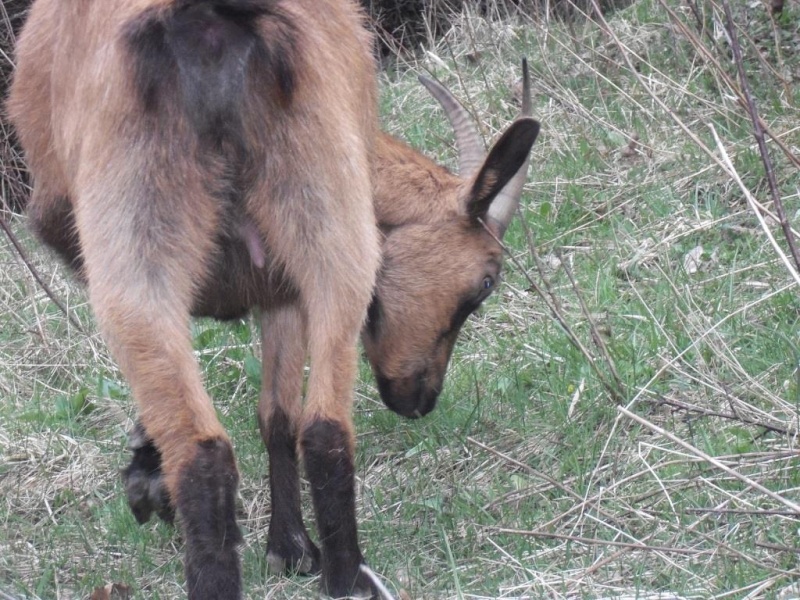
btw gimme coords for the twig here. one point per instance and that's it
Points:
(720, 465)
(21, 252)
(596, 337)
(551, 301)
(758, 132)
(711, 413)
(596, 542)
(731, 83)
(742, 511)
(777, 547)
(733, 551)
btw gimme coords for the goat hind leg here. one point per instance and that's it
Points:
(144, 480)
(334, 277)
(199, 471)
(140, 276)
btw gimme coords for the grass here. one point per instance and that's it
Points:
(528, 480)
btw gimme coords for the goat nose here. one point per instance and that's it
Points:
(409, 397)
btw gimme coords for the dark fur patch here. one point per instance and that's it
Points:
(144, 482)
(329, 467)
(222, 66)
(57, 229)
(155, 71)
(374, 316)
(288, 542)
(206, 503)
(205, 56)
(466, 307)
(197, 59)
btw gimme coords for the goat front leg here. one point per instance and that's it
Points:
(331, 263)
(328, 445)
(283, 344)
(141, 275)
(327, 439)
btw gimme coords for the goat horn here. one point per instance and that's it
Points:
(505, 204)
(471, 151)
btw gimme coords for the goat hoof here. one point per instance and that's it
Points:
(144, 484)
(297, 555)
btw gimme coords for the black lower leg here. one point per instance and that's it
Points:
(289, 547)
(329, 466)
(143, 480)
(206, 503)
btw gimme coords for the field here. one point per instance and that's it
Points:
(619, 420)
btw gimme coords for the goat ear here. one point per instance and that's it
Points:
(507, 158)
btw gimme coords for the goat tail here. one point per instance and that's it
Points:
(240, 6)
(199, 54)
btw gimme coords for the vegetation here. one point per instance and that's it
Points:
(620, 419)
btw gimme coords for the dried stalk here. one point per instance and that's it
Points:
(720, 465)
(596, 542)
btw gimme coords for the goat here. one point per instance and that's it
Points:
(439, 264)
(412, 324)
(157, 131)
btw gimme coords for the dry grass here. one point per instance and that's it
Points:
(530, 480)
(13, 179)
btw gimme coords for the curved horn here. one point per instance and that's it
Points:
(471, 151)
(505, 204)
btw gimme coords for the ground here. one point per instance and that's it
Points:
(619, 420)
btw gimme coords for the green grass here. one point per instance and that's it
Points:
(527, 436)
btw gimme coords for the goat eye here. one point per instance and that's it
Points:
(488, 283)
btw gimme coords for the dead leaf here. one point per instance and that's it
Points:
(633, 145)
(473, 58)
(693, 260)
(552, 261)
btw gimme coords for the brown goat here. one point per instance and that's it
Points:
(441, 260)
(208, 119)
(157, 131)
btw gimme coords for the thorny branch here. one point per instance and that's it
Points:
(710, 413)
(758, 132)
